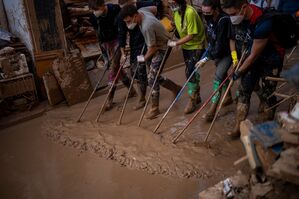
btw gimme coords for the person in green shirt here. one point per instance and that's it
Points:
(192, 40)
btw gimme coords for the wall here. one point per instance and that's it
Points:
(3, 19)
(17, 20)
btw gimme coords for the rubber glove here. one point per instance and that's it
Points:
(171, 43)
(140, 58)
(234, 58)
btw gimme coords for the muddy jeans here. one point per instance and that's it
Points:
(154, 68)
(262, 67)
(113, 52)
(141, 74)
(191, 57)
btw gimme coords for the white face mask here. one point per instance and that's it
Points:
(98, 13)
(174, 7)
(236, 19)
(131, 26)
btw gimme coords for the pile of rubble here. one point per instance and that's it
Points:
(272, 150)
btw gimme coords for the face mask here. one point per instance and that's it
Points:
(98, 13)
(236, 19)
(174, 7)
(131, 26)
(208, 17)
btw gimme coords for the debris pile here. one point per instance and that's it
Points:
(17, 85)
(272, 150)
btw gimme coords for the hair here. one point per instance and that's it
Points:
(128, 11)
(183, 7)
(122, 2)
(93, 4)
(233, 3)
(214, 4)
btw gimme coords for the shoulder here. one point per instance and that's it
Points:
(265, 23)
(145, 9)
(224, 19)
(263, 28)
(190, 11)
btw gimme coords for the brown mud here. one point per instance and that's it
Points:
(138, 148)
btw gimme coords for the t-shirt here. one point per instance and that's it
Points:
(218, 36)
(136, 37)
(255, 29)
(153, 31)
(192, 25)
(107, 26)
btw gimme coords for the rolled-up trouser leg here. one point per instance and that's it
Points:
(154, 68)
(191, 57)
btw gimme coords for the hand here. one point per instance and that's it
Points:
(237, 74)
(201, 62)
(171, 43)
(140, 58)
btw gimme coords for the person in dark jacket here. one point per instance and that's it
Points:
(265, 58)
(218, 28)
(105, 22)
(136, 44)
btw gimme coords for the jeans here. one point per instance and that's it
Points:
(191, 57)
(222, 66)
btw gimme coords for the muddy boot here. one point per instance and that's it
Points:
(127, 81)
(269, 114)
(241, 114)
(209, 116)
(109, 104)
(229, 99)
(154, 111)
(171, 86)
(141, 100)
(194, 98)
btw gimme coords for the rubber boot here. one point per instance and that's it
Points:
(194, 98)
(228, 99)
(241, 114)
(127, 81)
(154, 111)
(209, 116)
(141, 100)
(109, 104)
(171, 86)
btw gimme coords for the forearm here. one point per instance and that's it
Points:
(184, 40)
(232, 45)
(122, 50)
(247, 63)
(150, 52)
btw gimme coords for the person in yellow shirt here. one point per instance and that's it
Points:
(192, 41)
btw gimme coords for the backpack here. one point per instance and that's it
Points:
(285, 27)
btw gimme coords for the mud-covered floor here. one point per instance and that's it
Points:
(55, 157)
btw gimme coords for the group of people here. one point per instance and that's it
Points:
(228, 29)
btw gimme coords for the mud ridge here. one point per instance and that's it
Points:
(146, 153)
